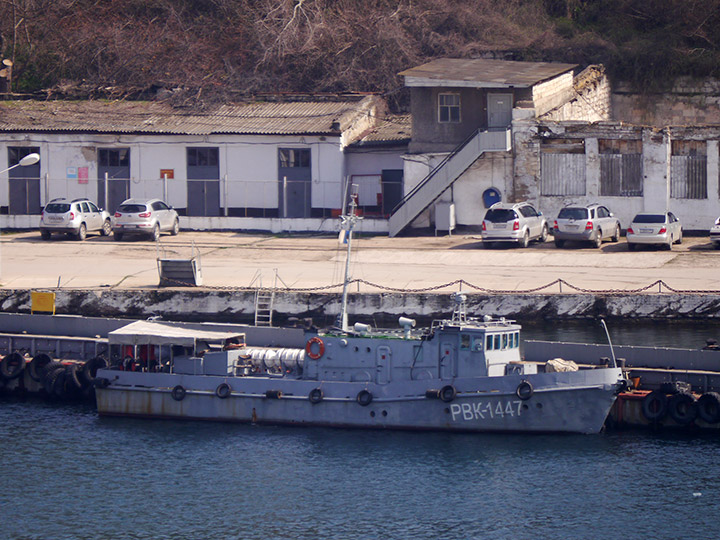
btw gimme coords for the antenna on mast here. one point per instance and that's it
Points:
(347, 224)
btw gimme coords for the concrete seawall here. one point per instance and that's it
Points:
(238, 306)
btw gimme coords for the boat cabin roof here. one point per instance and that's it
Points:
(168, 333)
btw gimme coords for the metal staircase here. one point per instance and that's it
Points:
(441, 177)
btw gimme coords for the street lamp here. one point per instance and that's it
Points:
(30, 159)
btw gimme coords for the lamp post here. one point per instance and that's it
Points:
(30, 159)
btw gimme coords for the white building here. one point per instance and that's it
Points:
(271, 165)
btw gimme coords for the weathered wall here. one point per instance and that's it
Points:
(376, 309)
(553, 93)
(590, 99)
(689, 102)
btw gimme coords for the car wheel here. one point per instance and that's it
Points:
(559, 243)
(669, 245)
(616, 236)
(106, 228)
(487, 245)
(175, 228)
(631, 247)
(544, 234)
(155, 235)
(598, 239)
(118, 236)
(82, 232)
(45, 235)
(525, 240)
(680, 237)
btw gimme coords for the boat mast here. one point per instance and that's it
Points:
(348, 222)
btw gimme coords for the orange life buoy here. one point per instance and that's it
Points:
(321, 348)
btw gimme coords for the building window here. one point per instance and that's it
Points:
(449, 108)
(688, 170)
(621, 170)
(294, 157)
(114, 157)
(202, 157)
(562, 167)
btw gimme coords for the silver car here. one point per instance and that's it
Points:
(663, 229)
(76, 218)
(519, 223)
(715, 234)
(144, 217)
(592, 223)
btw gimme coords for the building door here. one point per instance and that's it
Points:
(295, 180)
(499, 111)
(203, 186)
(23, 183)
(115, 164)
(392, 189)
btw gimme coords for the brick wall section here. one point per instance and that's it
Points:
(689, 102)
(551, 94)
(590, 100)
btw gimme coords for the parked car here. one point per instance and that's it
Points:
(662, 229)
(715, 234)
(519, 223)
(146, 217)
(77, 218)
(591, 223)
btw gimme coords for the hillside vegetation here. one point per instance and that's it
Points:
(225, 49)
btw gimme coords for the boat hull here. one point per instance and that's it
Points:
(574, 402)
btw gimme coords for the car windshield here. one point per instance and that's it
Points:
(500, 215)
(573, 213)
(649, 218)
(57, 208)
(131, 208)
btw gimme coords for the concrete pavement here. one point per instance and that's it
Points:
(241, 260)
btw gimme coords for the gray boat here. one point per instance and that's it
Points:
(461, 374)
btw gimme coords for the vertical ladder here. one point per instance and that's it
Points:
(264, 306)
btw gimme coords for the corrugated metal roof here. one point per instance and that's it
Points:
(480, 73)
(395, 128)
(269, 118)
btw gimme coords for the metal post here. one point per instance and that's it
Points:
(165, 195)
(225, 194)
(284, 196)
(106, 192)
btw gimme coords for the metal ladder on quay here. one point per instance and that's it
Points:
(264, 300)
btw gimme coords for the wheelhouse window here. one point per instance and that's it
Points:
(448, 108)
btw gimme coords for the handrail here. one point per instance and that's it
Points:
(432, 173)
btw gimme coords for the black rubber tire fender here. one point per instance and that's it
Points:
(709, 407)
(223, 390)
(36, 366)
(655, 406)
(90, 368)
(178, 392)
(315, 396)
(524, 390)
(72, 377)
(59, 383)
(683, 408)
(447, 393)
(364, 398)
(12, 366)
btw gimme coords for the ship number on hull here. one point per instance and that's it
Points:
(480, 410)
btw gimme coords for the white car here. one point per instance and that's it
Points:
(75, 218)
(145, 217)
(715, 234)
(663, 229)
(519, 223)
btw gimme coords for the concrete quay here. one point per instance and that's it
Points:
(407, 275)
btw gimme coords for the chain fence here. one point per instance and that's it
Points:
(656, 287)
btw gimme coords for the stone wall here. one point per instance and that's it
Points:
(689, 102)
(590, 100)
